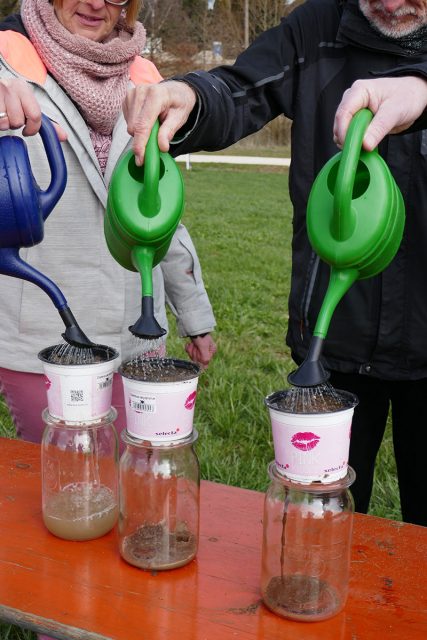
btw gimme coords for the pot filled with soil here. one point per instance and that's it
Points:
(79, 381)
(311, 432)
(160, 394)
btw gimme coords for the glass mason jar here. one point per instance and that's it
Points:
(159, 502)
(306, 546)
(79, 477)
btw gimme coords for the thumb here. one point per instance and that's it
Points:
(62, 135)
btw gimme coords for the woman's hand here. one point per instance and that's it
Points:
(19, 108)
(201, 349)
(395, 102)
(171, 102)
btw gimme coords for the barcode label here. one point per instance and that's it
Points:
(76, 395)
(104, 382)
(145, 405)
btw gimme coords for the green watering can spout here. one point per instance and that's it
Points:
(144, 208)
(146, 326)
(355, 222)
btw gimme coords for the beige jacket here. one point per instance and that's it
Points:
(104, 297)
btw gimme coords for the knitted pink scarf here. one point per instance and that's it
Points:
(94, 74)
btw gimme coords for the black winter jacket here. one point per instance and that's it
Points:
(301, 69)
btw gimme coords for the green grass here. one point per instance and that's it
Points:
(240, 220)
(239, 149)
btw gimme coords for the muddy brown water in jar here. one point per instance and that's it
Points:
(81, 512)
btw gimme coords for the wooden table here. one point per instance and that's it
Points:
(84, 590)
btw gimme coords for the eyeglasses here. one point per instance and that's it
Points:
(118, 3)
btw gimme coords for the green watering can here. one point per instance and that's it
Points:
(144, 207)
(355, 221)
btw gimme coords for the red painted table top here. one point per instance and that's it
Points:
(85, 590)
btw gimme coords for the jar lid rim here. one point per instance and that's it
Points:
(315, 486)
(159, 444)
(109, 418)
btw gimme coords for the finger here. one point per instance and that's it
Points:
(21, 106)
(143, 125)
(378, 128)
(174, 120)
(196, 355)
(60, 132)
(386, 120)
(142, 133)
(132, 106)
(353, 100)
(4, 119)
(189, 347)
(32, 114)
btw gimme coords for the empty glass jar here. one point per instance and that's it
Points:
(306, 546)
(159, 502)
(79, 477)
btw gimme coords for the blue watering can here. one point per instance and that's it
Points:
(23, 209)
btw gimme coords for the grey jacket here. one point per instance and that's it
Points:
(104, 297)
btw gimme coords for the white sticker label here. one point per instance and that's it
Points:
(142, 404)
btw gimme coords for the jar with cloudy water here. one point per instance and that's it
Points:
(79, 477)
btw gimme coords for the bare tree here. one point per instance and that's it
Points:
(7, 7)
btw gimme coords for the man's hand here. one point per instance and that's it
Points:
(171, 102)
(395, 102)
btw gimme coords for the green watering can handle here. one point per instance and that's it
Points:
(150, 200)
(343, 219)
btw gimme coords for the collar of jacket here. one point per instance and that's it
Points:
(355, 29)
(13, 23)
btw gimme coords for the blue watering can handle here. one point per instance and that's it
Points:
(58, 168)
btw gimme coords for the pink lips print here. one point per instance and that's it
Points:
(190, 402)
(47, 383)
(305, 440)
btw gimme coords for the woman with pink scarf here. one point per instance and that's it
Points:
(74, 60)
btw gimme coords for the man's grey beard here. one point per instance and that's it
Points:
(383, 22)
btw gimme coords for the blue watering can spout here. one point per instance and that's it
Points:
(23, 209)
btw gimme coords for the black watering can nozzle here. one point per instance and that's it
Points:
(147, 327)
(311, 372)
(73, 334)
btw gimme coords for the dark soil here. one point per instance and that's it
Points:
(306, 400)
(146, 547)
(65, 354)
(300, 595)
(159, 370)
(55, 358)
(317, 405)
